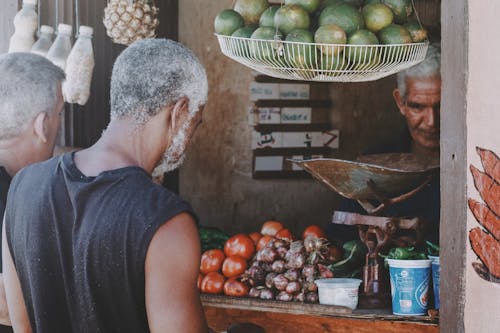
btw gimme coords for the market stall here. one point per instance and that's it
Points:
(376, 184)
(240, 186)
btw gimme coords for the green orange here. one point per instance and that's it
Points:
(345, 16)
(227, 22)
(291, 17)
(330, 34)
(251, 10)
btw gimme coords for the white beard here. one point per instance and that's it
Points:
(174, 156)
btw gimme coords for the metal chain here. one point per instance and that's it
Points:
(416, 14)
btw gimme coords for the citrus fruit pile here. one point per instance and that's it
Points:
(326, 35)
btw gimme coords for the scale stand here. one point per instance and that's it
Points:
(377, 232)
(388, 179)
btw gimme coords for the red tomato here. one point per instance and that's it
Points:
(270, 228)
(255, 236)
(233, 287)
(239, 245)
(314, 230)
(212, 283)
(234, 266)
(200, 278)
(284, 234)
(211, 261)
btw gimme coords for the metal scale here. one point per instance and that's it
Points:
(377, 182)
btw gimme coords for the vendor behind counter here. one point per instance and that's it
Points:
(418, 97)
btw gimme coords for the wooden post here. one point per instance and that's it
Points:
(454, 69)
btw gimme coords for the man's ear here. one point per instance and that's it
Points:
(41, 127)
(399, 100)
(179, 111)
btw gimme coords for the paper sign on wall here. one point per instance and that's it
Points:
(264, 91)
(266, 140)
(296, 115)
(311, 139)
(268, 163)
(294, 91)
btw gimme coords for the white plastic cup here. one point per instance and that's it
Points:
(340, 292)
(409, 286)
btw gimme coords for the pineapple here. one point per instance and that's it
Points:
(127, 21)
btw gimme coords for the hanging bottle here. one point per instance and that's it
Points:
(44, 42)
(59, 51)
(79, 68)
(25, 25)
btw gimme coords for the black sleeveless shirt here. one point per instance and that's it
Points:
(79, 244)
(4, 189)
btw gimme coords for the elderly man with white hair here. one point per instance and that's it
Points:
(30, 106)
(418, 97)
(102, 248)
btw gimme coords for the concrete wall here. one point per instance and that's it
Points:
(482, 305)
(216, 177)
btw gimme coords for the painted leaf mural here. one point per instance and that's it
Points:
(486, 242)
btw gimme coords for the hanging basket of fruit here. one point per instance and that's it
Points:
(323, 40)
(127, 21)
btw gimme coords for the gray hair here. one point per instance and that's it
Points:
(153, 73)
(431, 66)
(29, 85)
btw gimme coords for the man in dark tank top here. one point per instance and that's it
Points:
(93, 245)
(31, 103)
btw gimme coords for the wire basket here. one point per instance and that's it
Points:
(322, 62)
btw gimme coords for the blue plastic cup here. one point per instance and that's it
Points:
(409, 286)
(435, 279)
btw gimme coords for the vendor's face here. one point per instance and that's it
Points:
(421, 108)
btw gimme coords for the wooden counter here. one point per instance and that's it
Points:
(281, 317)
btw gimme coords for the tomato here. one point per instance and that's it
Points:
(200, 278)
(234, 266)
(212, 283)
(236, 288)
(270, 228)
(255, 236)
(211, 261)
(284, 234)
(239, 245)
(314, 230)
(263, 242)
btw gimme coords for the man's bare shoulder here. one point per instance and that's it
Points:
(179, 238)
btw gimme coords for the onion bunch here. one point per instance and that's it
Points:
(286, 271)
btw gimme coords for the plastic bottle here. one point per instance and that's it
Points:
(59, 51)
(44, 42)
(25, 24)
(79, 68)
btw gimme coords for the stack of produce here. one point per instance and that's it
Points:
(284, 269)
(269, 264)
(331, 24)
(232, 263)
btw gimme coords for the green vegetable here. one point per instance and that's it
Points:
(355, 248)
(212, 238)
(432, 249)
(354, 259)
(404, 253)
